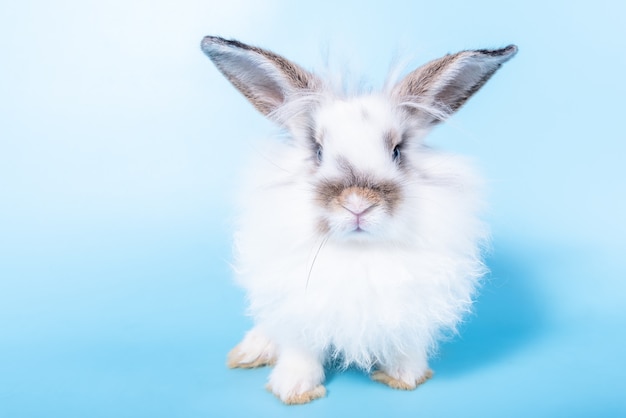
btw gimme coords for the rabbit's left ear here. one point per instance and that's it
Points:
(440, 87)
(266, 79)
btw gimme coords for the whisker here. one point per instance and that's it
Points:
(270, 160)
(322, 243)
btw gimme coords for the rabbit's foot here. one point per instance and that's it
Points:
(255, 350)
(297, 377)
(300, 398)
(401, 382)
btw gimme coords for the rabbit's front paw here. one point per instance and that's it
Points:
(297, 378)
(295, 398)
(255, 350)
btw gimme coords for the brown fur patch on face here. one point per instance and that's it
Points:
(369, 195)
(331, 194)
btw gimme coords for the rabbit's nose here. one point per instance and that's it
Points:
(357, 203)
(358, 210)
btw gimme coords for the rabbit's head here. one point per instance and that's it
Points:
(361, 152)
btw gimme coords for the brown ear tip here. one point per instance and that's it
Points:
(510, 50)
(208, 42)
(212, 39)
(211, 43)
(505, 53)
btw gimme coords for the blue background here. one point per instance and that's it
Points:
(120, 145)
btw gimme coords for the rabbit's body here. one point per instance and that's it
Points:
(366, 298)
(356, 242)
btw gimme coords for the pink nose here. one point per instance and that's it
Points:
(359, 204)
(358, 210)
(359, 213)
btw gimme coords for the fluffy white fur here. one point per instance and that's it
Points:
(379, 302)
(377, 298)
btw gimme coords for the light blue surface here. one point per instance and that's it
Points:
(119, 147)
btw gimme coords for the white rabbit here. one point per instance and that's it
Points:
(357, 244)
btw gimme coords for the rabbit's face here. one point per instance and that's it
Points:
(361, 149)
(359, 167)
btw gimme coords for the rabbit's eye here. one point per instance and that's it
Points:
(395, 154)
(319, 154)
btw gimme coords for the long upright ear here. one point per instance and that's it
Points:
(439, 88)
(266, 79)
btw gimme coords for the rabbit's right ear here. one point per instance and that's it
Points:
(439, 88)
(266, 79)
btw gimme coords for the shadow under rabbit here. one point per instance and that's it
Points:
(509, 314)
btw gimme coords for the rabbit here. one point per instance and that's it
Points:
(357, 244)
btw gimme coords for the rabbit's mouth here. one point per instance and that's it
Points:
(360, 227)
(345, 223)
